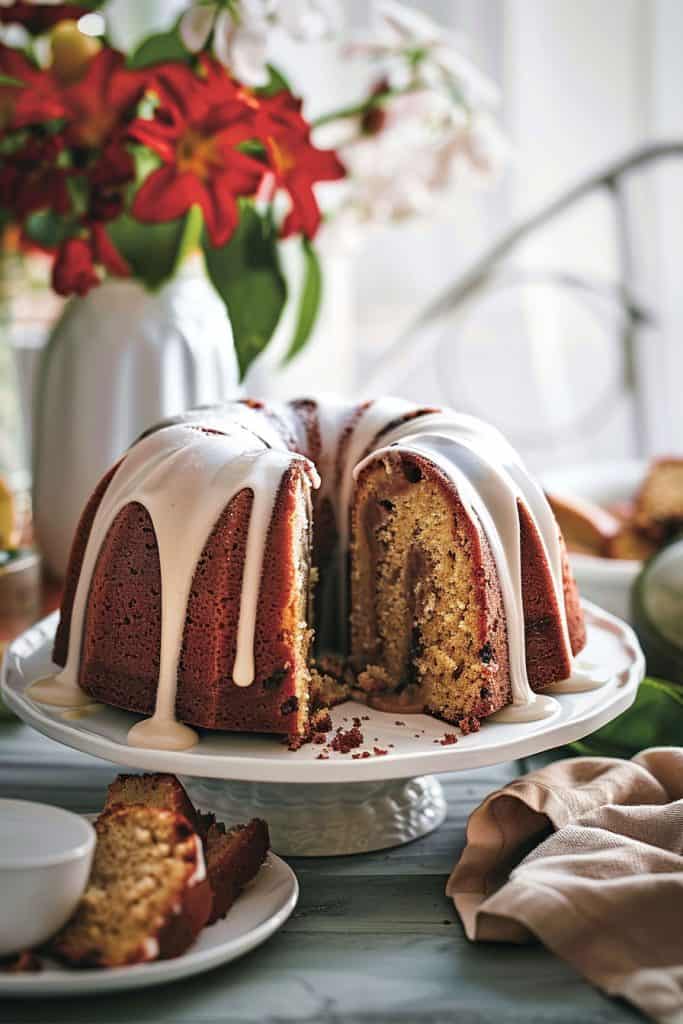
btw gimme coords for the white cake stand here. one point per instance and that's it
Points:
(341, 804)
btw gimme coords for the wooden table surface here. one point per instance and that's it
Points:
(373, 940)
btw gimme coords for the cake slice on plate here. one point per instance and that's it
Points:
(233, 856)
(148, 896)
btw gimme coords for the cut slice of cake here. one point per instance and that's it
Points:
(428, 620)
(233, 856)
(148, 896)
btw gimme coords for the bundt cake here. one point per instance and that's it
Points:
(411, 542)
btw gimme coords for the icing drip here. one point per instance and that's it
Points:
(531, 711)
(585, 676)
(184, 478)
(333, 415)
(57, 692)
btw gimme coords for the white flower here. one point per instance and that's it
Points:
(424, 146)
(415, 46)
(309, 19)
(240, 36)
(240, 30)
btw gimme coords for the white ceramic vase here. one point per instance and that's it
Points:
(118, 360)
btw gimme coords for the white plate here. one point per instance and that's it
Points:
(412, 741)
(262, 908)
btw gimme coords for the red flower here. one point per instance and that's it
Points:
(74, 271)
(295, 162)
(30, 179)
(195, 130)
(99, 104)
(37, 100)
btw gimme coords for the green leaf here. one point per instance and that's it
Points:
(246, 274)
(309, 303)
(158, 48)
(192, 234)
(154, 251)
(655, 719)
(9, 80)
(276, 83)
(47, 228)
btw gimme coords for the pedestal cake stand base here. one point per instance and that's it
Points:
(315, 820)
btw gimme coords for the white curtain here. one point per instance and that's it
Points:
(583, 82)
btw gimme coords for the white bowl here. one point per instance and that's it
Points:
(45, 859)
(606, 581)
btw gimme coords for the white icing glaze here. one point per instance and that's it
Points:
(333, 415)
(539, 707)
(585, 676)
(184, 478)
(199, 873)
(57, 692)
(150, 948)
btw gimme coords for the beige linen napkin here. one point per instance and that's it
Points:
(587, 856)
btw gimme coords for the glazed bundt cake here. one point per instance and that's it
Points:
(410, 542)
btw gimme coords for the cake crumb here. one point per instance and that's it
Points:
(361, 754)
(346, 741)
(378, 752)
(449, 738)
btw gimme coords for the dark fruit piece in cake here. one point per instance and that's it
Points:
(148, 896)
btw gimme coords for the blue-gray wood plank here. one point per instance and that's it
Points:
(373, 941)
